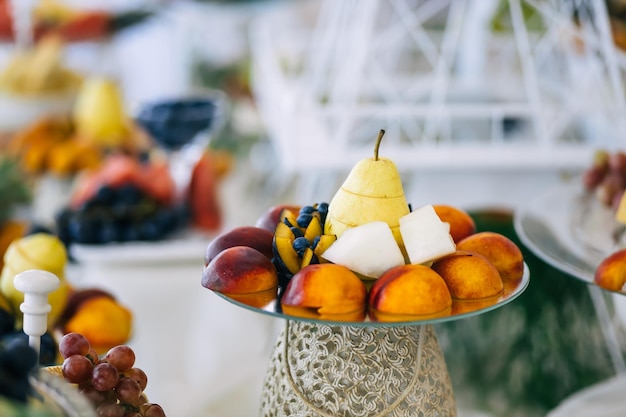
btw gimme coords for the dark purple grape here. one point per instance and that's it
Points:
(73, 344)
(104, 376)
(19, 357)
(77, 368)
(48, 349)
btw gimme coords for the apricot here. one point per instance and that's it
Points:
(240, 270)
(461, 223)
(469, 275)
(410, 290)
(611, 272)
(254, 237)
(326, 289)
(501, 251)
(270, 219)
(103, 321)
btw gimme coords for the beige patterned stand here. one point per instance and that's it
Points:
(357, 371)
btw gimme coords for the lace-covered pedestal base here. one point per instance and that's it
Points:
(324, 370)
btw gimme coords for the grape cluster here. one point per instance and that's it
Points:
(606, 177)
(119, 214)
(112, 383)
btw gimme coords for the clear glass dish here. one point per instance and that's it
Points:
(459, 310)
(560, 228)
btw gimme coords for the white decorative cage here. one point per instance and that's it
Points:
(450, 90)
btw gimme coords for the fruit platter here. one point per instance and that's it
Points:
(360, 280)
(366, 257)
(578, 227)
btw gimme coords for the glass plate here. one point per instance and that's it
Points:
(559, 227)
(270, 305)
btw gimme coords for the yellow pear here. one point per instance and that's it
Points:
(99, 112)
(372, 191)
(37, 251)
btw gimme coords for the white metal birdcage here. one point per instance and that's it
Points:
(471, 85)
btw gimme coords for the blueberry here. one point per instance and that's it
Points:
(129, 232)
(322, 208)
(316, 240)
(129, 193)
(304, 219)
(165, 219)
(83, 230)
(307, 210)
(300, 245)
(109, 232)
(297, 232)
(149, 230)
(105, 195)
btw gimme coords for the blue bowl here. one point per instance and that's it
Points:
(175, 123)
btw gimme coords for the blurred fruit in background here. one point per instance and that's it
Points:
(97, 315)
(15, 191)
(99, 115)
(39, 70)
(37, 251)
(70, 23)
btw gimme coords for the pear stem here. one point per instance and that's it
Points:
(378, 140)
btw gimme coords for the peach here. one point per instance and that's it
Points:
(326, 289)
(461, 223)
(611, 272)
(469, 275)
(410, 290)
(240, 270)
(270, 219)
(501, 251)
(251, 236)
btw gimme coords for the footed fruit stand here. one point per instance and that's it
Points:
(363, 368)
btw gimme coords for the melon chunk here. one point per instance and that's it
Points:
(426, 238)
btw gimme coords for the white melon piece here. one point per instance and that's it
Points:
(369, 249)
(426, 238)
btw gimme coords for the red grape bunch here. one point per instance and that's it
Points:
(606, 177)
(111, 382)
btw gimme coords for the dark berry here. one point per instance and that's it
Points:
(297, 232)
(307, 210)
(300, 245)
(304, 219)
